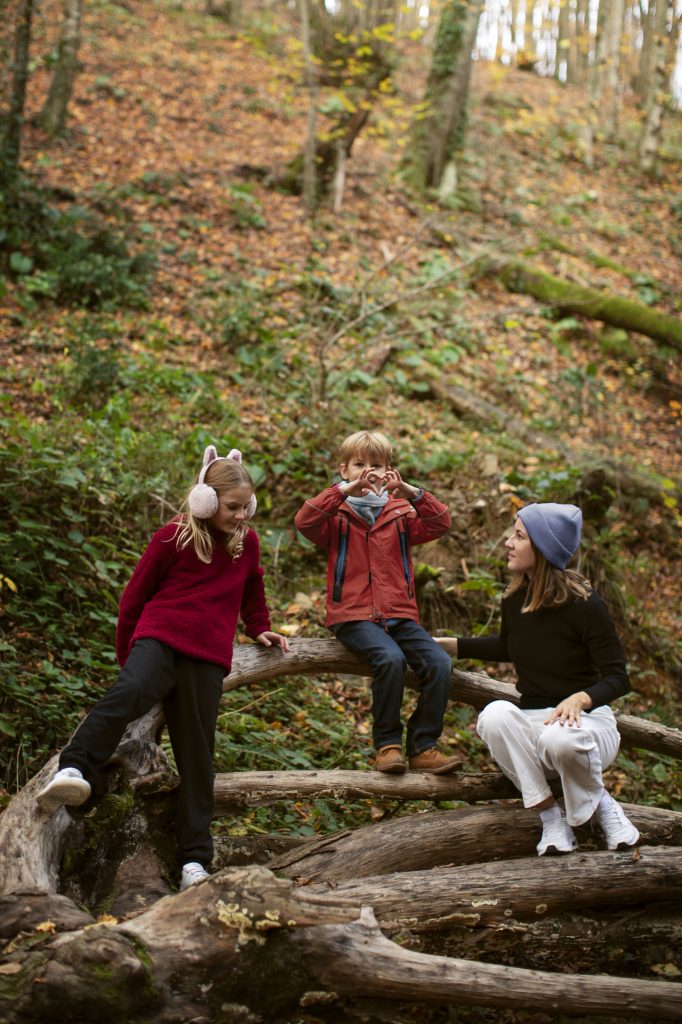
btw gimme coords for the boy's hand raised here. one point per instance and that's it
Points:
(394, 483)
(369, 481)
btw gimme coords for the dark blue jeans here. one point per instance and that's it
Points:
(190, 691)
(389, 648)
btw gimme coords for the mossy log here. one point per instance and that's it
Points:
(245, 946)
(567, 297)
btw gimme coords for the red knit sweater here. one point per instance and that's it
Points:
(193, 607)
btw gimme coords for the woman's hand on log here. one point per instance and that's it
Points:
(568, 711)
(448, 643)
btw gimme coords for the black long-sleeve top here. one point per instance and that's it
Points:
(556, 651)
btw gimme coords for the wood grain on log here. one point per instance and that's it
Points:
(466, 835)
(358, 957)
(251, 789)
(486, 894)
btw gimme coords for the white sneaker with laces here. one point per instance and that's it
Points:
(619, 832)
(66, 787)
(557, 837)
(191, 874)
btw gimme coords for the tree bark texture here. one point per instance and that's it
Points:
(204, 954)
(657, 97)
(467, 835)
(369, 963)
(438, 130)
(53, 115)
(527, 888)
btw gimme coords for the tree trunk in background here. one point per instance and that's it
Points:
(10, 147)
(657, 97)
(646, 52)
(53, 115)
(592, 116)
(582, 41)
(440, 131)
(309, 153)
(607, 56)
(564, 42)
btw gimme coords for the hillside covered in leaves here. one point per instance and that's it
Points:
(178, 295)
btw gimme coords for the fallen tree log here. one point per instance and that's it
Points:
(252, 789)
(368, 963)
(254, 664)
(205, 954)
(466, 835)
(649, 935)
(566, 297)
(483, 894)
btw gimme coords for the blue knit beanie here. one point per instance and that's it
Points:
(554, 529)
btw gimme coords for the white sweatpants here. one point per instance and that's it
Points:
(529, 752)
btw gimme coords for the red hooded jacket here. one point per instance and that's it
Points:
(369, 568)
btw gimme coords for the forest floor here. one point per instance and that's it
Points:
(176, 122)
(251, 335)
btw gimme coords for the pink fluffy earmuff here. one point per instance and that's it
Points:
(203, 499)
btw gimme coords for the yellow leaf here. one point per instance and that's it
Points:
(46, 926)
(290, 629)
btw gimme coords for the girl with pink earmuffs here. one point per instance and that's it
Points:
(176, 626)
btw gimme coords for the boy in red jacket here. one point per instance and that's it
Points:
(367, 523)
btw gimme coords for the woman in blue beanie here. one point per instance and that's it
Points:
(570, 666)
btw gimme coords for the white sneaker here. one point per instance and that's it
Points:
(619, 832)
(191, 874)
(557, 837)
(66, 787)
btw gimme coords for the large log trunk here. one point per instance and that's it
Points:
(204, 954)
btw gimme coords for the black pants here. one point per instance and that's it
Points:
(190, 691)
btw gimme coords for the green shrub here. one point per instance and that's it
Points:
(71, 257)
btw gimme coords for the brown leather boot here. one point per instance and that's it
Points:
(390, 759)
(434, 762)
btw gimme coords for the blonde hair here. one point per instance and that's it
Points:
(548, 587)
(223, 475)
(366, 442)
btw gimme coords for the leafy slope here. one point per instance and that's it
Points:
(254, 336)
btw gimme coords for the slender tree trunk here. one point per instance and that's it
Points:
(440, 132)
(646, 53)
(657, 97)
(582, 41)
(310, 150)
(564, 40)
(10, 148)
(53, 115)
(611, 89)
(589, 129)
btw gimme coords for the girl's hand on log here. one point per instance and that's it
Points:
(568, 711)
(269, 639)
